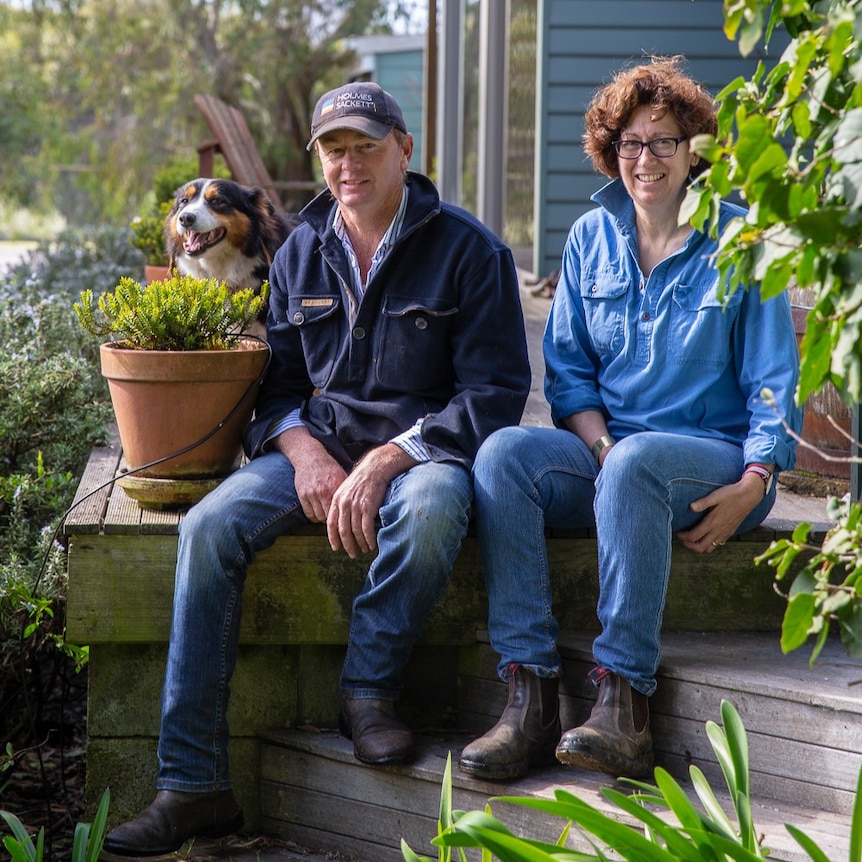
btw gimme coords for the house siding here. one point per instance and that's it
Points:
(580, 44)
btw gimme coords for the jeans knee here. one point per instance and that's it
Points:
(500, 453)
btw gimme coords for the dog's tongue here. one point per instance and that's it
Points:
(194, 242)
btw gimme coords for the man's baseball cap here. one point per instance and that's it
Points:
(363, 107)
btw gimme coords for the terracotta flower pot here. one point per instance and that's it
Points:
(152, 273)
(165, 401)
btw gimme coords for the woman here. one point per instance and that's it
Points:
(654, 377)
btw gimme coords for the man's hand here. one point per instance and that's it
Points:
(352, 522)
(725, 508)
(318, 474)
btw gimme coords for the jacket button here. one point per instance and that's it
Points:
(358, 333)
(298, 318)
(421, 323)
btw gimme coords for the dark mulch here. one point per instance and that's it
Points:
(43, 717)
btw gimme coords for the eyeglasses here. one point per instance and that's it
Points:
(663, 148)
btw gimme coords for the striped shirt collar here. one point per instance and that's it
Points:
(386, 243)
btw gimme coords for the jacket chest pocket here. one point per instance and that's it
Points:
(414, 350)
(319, 320)
(603, 296)
(700, 323)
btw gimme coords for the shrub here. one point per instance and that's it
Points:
(54, 408)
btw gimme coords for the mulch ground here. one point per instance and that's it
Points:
(43, 728)
(43, 720)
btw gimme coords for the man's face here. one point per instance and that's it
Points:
(364, 175)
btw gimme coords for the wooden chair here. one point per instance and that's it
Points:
(232, 138)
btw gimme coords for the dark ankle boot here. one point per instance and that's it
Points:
(616, 738)
(171, 819)
(378, 735)
(526, 734)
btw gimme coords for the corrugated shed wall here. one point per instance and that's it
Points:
(581, 43)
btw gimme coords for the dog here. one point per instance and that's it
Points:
(220, 229)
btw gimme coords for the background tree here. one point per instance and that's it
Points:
(116, 78)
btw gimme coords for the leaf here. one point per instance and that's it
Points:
(851, 630)
(409, 855)
(738, 745)
(797, 621)
(98, 829)
(707, 798)
(856, 824)
(807, 844)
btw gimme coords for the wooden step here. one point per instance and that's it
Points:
(804, 724)
(804, 728)
(316, 794)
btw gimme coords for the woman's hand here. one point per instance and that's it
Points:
(725, 509)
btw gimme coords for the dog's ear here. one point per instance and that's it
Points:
(262, 202)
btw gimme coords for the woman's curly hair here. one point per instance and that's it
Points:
(666, 89)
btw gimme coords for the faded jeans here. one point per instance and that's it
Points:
(422, 521)
(527, 479)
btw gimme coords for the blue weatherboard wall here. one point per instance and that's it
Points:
(581, 43)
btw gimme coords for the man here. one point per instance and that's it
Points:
(398, 346)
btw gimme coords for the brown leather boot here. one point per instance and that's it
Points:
(171, 819)
(526, 734)
(378, 735)
(616, 738)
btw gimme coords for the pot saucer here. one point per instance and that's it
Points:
(166, 493)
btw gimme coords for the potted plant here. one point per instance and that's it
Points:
(148, 235)
(182, 376)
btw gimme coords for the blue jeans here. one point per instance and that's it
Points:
(527, 479)
(422, 521)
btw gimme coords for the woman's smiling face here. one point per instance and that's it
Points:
(655, 183)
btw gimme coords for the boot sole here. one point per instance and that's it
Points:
(598, 761)
(127, 851)
(498, 773)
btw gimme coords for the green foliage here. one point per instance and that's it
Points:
(54, 408)
(828, 588)
(148, 235)
(695, 834)
(790, 142)
(177, 313)
(111, 131)
(87, 843)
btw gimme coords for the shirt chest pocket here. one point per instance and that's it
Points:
(701, 322)
(414, 349)
(603, 295)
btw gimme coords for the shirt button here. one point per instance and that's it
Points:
(298, 318)
(421, 323)
(359, 333)
(645, 316)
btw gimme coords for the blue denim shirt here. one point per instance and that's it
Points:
(668, 352)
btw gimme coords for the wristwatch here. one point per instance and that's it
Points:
(602, 443)
(764, 474)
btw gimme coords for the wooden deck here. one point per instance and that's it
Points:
(304, 787)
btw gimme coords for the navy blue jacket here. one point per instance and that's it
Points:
(439, 334)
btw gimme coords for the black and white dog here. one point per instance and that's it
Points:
(220, 229)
